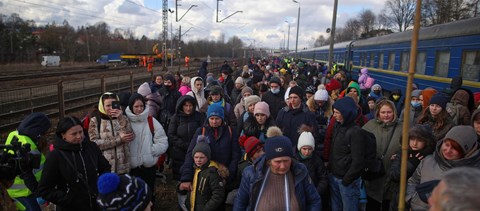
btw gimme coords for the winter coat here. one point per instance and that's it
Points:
(184, 89)
(180, 132)
(399, 104)
(170, 98)
(154, 100)
(386, 135)
(239, 109)
(252, 128)
(439, 133)
(316, 171)
(197, 94)
(202, 72)
(224, 150)
(289, 120)
(228, 85)
(415, 112)
(154, 87)
(274, 101)
(108, 140)
(433, 167)
(252, 179)
(145, 149)
(209, 189)
(60, 184)
(236, 94)
(363, 78)
(460, 98)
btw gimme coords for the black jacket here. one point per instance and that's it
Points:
(274, 101)
(316, 171)
(251, 127)
(180, 132)
(60, 183)
(289, 120)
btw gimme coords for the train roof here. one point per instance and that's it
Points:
(452, 29)
(327, 47)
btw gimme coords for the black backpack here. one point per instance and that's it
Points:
(373, 168)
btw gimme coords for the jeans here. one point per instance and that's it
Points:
(344, 197)
(29, 202)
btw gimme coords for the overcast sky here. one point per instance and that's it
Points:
(262, 21)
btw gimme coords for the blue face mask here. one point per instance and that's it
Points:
(275, 91)
(415, 104)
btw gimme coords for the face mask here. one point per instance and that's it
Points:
(415, 104)
(275, 91)
(395, 97)
(167, 87)
(377, 92)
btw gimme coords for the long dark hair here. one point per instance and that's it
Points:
(440, 120)
(66, 123)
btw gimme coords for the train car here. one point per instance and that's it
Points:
(444, 51)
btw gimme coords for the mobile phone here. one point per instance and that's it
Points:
(116, 105)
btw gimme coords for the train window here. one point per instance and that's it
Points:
(380, 61)
(421, 63)
(391, 60)
(365, 59)
(372, 60)
(441, 63)
(405, 59)
(471, 65)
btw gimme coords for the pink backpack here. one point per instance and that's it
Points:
(369, 82)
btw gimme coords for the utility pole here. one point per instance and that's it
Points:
(171, 38)
(288, 42)
(298, 27)
(228, 15)
(165, 33)
(332, 35)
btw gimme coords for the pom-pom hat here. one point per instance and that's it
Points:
(123, 192)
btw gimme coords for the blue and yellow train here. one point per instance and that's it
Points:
(444, 51)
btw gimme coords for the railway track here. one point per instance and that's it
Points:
(68, 96)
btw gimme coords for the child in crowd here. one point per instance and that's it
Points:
(421, 143)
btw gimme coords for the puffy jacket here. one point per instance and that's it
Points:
(363, 78)
(253, 176)
(108, 140)
(433, 167)
(209, 190)
(145, 149)
(60, 184)
(180, 132)
(224, 150)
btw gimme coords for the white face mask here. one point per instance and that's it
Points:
(275, 91)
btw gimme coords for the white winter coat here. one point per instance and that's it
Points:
(144, 151)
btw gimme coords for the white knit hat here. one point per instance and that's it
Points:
(306, 139)
(321, 94)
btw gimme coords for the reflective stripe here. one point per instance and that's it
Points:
(18, 186)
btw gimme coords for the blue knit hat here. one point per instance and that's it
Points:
(440, 100)
(215, 110)
(123, 192)
(278, 146)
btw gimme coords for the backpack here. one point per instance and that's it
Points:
(454, 110)
(369, 82)
(86, 122)
(373, 168)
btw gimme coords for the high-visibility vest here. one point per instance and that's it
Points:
(19, 189)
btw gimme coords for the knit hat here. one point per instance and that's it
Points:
(306, 139)
(416, 93)
(278, 146)
(334, 84)
(251, 100)
(123, 192)
(310, 89)
(144, 89)
(246, 89)
(215, 89)
(210, 79)
(464, 135)
(202, 147)
(273, 131)
(252, 145)
(376, 87)
(296, 90)
(239, 81)
(321, 95)
(262, 108)
(215, 110)
(440, 100)
(34, 125)
(275, 80)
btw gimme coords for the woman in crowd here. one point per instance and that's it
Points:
(436, 116)
(112, 133)
(458, 148)
(258, 123)
(153, 99)
(69, 177)
(196, 84)
(150, 140)
(250, 102)
(185, 86)
(240, 101)
(216, 96)
(387, 130)
(181, 130)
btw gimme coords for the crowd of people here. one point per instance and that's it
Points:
(276, 134)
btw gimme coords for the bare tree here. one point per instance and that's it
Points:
(400, 13)
(444, 11)
(366, 19)
(320, 41)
